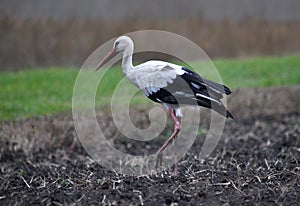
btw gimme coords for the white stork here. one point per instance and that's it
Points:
(170, 85)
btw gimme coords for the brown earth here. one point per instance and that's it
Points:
(255, 163)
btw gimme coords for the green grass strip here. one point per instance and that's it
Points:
(48, 91)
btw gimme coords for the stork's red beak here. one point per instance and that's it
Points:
(110, 55)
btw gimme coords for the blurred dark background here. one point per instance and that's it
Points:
(41, 33)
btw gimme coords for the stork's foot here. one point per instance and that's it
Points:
(159, 160)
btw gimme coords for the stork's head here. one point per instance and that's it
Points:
(122, 44)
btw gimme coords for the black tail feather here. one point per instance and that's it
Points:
(229, 115)
(219, 87)
(218, 107)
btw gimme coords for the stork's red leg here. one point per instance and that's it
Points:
(177, 128)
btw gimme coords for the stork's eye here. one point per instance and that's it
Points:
(117, 43)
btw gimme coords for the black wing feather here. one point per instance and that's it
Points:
(194, 77)
(190, 88)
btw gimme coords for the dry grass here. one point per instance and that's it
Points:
(44, 42)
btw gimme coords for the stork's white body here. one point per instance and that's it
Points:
(153, 74)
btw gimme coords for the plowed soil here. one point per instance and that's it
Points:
(256, 162)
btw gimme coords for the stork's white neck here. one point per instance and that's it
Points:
(127, 59)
